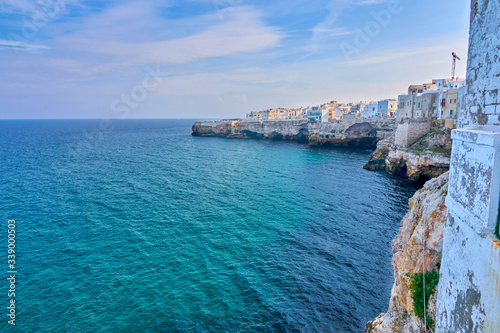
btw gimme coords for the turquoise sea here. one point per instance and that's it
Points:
(143, 228)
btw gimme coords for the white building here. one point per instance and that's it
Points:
(388, 107)
(317, 115)
(370, 110)
(258, 115)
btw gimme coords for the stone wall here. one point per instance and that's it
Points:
(483, 67)
(469, 288)
(408, 132)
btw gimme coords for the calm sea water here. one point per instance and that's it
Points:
(143, 228)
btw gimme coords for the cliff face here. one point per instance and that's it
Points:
(416, 165)
(378, 157)
(438, 139)
(345, 134)
(212, 128)
(424, 221)
(427, 158)
(332, 134)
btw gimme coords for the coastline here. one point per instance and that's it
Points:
(419, 164)
(364, 134)
(424, 160)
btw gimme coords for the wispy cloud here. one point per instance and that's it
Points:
(372, 2)
(241, 31)
(18, 6)
(335, 32)
(35, 8)
(389, 55)
(249, 56)
(323, 30)
(22, 45)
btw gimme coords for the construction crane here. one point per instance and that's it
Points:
(455, 58)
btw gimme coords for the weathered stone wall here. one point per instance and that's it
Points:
(469, 289)
(482, 101)
(469, 293)
(408, 132)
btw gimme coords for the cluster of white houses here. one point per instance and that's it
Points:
(329, 111)
(437, 100)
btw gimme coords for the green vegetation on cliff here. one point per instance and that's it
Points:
(437, 142)
(417, 292)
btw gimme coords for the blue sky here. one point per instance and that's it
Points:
(218, 58)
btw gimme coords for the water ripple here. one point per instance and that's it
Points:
(152, 230)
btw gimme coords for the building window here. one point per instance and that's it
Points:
(419, 105)
(443, 102)
(455, 101)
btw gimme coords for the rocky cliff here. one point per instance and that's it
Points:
(424, 221)
(427, 158)
(221, 129)
(415, 166)
(356, 134)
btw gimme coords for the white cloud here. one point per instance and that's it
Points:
(18, 6)
(323, 30)
(242, 31)
(372, 2)
(22, 45)
(48, 9)
(334, 32)
(241, 66)
(390, 55)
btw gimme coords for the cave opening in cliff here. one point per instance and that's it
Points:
(403, 171)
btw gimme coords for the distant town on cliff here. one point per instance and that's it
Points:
(437, 100)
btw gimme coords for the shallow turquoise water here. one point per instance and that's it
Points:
(144, 228)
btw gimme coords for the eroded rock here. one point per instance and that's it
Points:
(347, 134)
(428, 158)
(424, 221)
